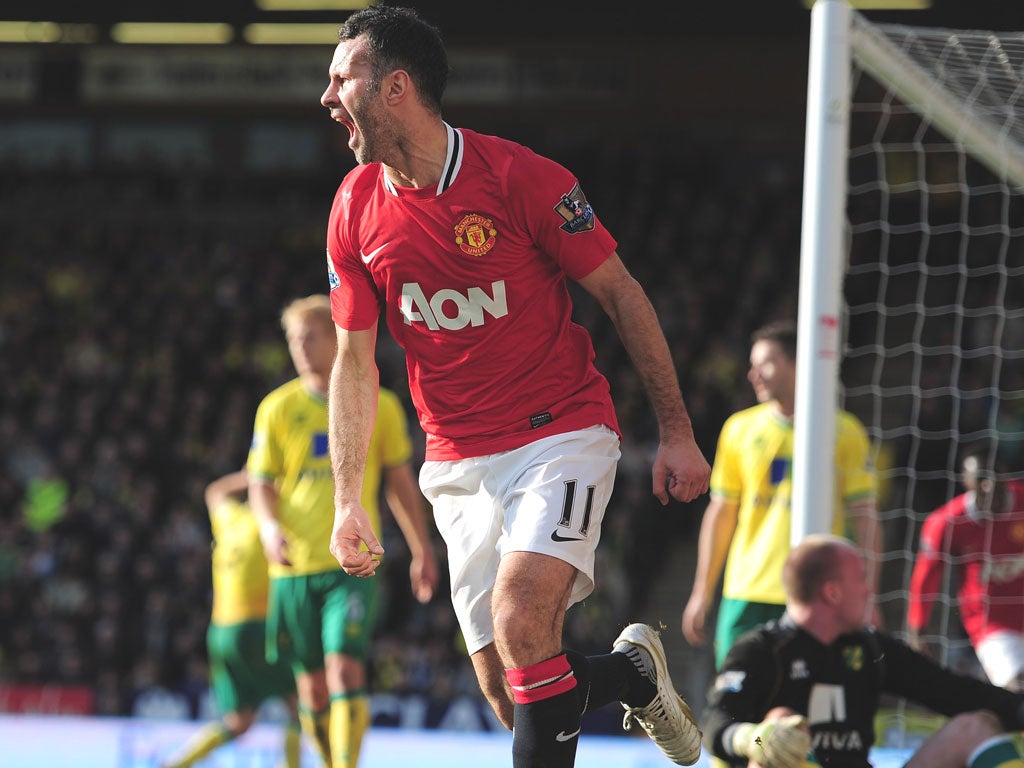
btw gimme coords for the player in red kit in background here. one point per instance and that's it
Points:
(980, 533)
(465, 243)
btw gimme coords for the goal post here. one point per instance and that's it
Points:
(966, 85)
(821, 265)
(911, 302)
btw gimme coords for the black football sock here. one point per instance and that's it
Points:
(546, 717)
(601, 679)
(613, 677)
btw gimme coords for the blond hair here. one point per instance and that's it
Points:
(315, 306)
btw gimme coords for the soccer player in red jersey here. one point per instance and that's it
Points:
(465, 243)
(980, 533)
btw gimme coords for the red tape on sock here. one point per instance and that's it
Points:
(541, 681)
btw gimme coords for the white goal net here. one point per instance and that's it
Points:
(932, 299)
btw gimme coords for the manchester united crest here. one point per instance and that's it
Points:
(475, 234)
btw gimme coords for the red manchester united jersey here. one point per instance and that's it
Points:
(988, 552)
(471, 277)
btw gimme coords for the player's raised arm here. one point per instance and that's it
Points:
(232, 485)
(352, 411)
(680, 469)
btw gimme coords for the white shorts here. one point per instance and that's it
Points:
(547, 497)
(1002, 656)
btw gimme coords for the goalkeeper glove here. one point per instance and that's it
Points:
(779, 743)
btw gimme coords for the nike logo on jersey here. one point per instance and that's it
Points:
(563, 736)
(368, 257)
(556, 536)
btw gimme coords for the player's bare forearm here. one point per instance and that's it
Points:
(716, 532)
(626, 303)
(406, 504)
(231, 485)
(868, 531)
(264, 501)
(680, 470)
(352, 411)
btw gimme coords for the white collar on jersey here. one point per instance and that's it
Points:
(452, 162)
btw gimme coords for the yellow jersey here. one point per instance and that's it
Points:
(753, 468)
(289, 449)
(240, 580)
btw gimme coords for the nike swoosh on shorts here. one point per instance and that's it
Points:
(556, 536)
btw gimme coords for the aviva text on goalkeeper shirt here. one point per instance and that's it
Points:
(807, 687)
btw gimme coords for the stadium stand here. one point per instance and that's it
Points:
(138, 329)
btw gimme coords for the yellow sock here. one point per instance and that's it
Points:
(292, 744)
(203, 743)
(350, 719)
(316, 726)
(998, 752)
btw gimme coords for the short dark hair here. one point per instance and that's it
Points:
(782, 332)
(811, 564)
(399, 38)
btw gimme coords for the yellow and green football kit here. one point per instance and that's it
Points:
(315, 607)
(289, 449)
(753, 468)
(240, 675)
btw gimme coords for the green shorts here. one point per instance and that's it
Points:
(309, 617)
(736, 618)
(240, 676)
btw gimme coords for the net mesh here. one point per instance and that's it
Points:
(934, 291)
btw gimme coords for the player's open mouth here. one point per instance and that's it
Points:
(348, 124)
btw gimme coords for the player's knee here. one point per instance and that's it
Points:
(975, 727)
(344, 673)
(524, 637)
(239, 722)
(507, 630)
(312, 690)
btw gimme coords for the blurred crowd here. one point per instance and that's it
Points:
(139, 329)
